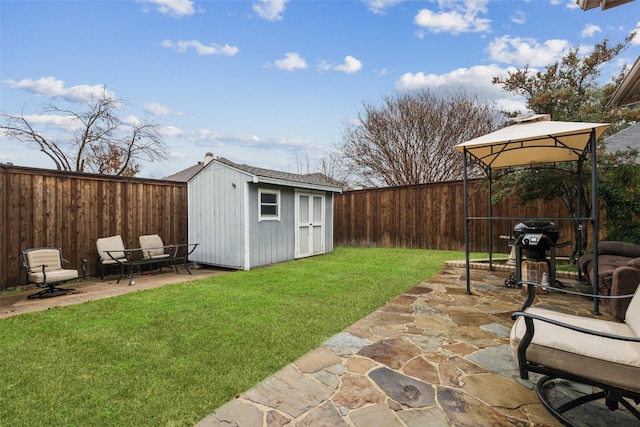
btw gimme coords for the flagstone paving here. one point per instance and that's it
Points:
(433, 356)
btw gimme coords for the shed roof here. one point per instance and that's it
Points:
(313, 181)
(532, 142)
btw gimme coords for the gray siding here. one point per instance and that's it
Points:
(216, 216)
(271, 241)
(328, 222)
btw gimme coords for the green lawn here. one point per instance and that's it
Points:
(172, 355)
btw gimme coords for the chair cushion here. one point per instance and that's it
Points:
(608, 361)
(152, 246)
(53, 276)
(45, 256)
(632, 316)
(635, 263)
(624, 249)
(113, 243)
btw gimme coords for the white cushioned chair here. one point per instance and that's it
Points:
(604, 354)
(111, 252)
(154, 249)
(44, 268)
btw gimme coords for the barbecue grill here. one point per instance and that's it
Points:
(536, 238)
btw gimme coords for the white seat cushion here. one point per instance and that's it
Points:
(632, 316)
(45, 256)
(152, 246)
(53, 276)
(609, 361)
(114, 244)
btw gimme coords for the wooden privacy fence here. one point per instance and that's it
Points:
(68, 210)
(431, 216)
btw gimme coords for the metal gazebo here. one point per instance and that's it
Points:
(533, 140)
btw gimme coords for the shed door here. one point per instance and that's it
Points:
(310, 224)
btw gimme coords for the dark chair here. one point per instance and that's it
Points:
(618, 273)
(44, 268)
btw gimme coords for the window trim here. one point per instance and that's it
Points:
(277, 204)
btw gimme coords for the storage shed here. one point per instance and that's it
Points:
(245, 217)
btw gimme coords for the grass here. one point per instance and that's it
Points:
(172, 355)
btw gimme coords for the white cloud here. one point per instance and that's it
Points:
(475, 80)
(200, 48)
(380, 6)
(290, 62)
(210, 138)
(175, 8)
(526, 51)
(350, 66)
(131, 120)
(271, 10)
(590, 30)
(519, 17)
(52, 87)
(159, 109)
(568, 4)
(455, 16)
(57, 121)
(636, 39)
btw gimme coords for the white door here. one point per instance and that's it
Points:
(310, 224)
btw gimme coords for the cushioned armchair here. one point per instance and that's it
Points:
(599, 353)
(618, 273)
(111, 252)
(153, 248)
(44, 268)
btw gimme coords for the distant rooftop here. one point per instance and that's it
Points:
(628, 137)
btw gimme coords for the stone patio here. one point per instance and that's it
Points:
(433, 356)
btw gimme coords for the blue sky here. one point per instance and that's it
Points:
(273, 83)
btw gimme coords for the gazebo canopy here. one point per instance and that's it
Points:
(534, 140)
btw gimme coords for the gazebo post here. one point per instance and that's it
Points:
(466, 224)
(595, 221)
(490, 211)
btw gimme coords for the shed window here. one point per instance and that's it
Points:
(269, 201)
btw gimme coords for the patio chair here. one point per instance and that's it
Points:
(111, 252)
(44, 268)
(154, 249)
(599, 353)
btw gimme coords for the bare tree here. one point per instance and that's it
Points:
(96, 139)
(410, 139)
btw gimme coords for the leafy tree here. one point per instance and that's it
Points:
(619, 194)
(409, 139)
(96, 140)
(569, 90)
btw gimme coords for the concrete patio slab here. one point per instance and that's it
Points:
(17, 302)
